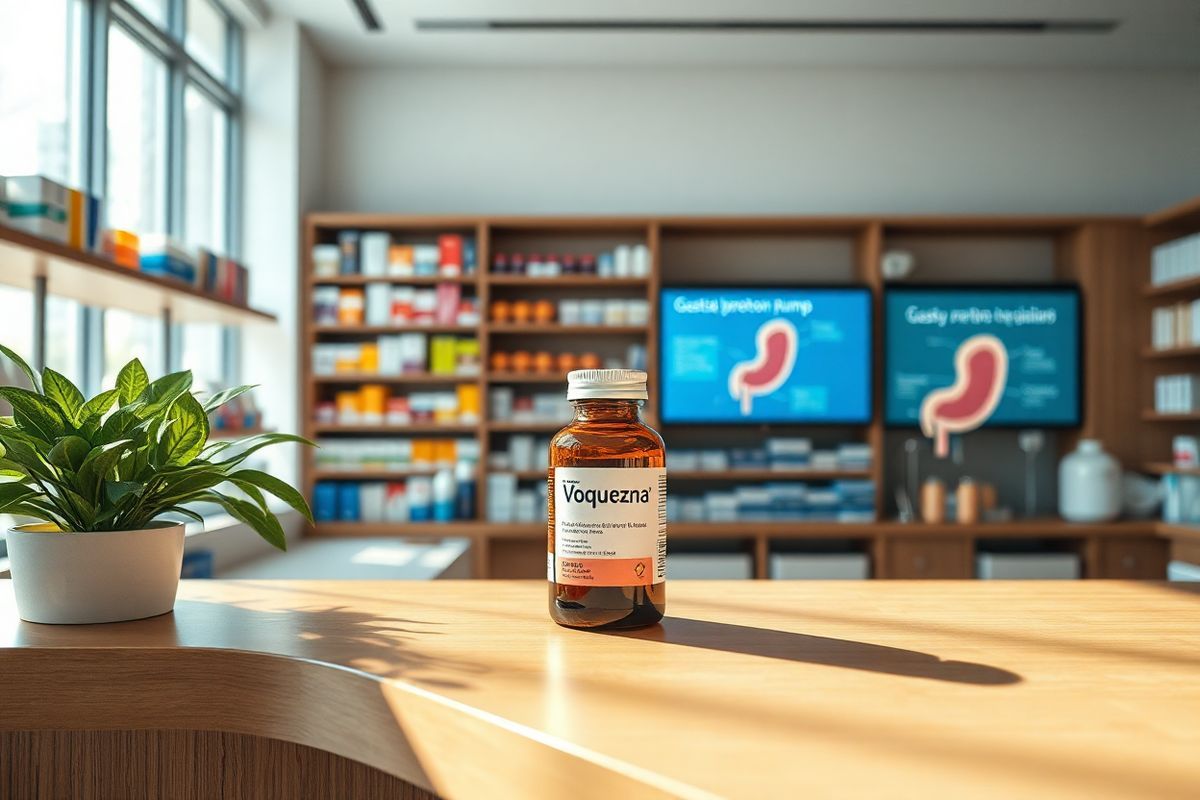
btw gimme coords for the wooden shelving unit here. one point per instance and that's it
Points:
(1173, 352)
(1161, 227)
(96, 280)
(374, 330)
(1163, 468)
(401, 378)
(1093, 251)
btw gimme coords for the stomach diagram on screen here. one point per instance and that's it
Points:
(980, 373)
(774, 357)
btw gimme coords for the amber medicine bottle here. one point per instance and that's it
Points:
(607, 554)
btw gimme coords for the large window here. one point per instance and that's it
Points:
(137, 135)
(136, 101)
(41, 100)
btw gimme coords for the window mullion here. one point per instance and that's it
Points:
(176, 153)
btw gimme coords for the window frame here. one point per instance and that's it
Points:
(167, 43)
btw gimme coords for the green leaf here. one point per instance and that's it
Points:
(187, 512)
(224, 396)
(99, 405)
(132, 380)
(264, 524)
(160, 394)
(99, 465)
(185, 436)
(69, 452)
(117, 491)
(12, 494)
(258, 442)
(118, 424)
(64, 393)
(20, 362)
(34, 413)
(276, 487)
(26, 451)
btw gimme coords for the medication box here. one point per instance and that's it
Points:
(163, 256)
(38, 205)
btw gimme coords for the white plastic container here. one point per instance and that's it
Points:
(75, 578)
(1089, 484)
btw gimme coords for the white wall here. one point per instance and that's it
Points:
(280, 181)
(654, 140)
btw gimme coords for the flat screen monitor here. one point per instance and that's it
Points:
(756, 355)
(982, 356)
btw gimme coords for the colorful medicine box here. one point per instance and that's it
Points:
(83, 220)
(165, 257)
(121, 246)
(37, 205)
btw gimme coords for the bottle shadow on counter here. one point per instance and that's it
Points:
(823, 650)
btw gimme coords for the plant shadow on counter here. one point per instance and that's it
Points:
(821, 650)
(381, 645)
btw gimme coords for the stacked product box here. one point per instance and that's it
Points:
(448, 495)
(399, 354)
(1177, 394)
(1176, 325)
(840, 501)
(48, 209)
(165, 257)
(506, 502)
(375, 254)
(400, 306)
(393, 454)
(1175, 260)
(374, 404)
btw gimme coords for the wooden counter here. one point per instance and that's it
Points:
(974, 689)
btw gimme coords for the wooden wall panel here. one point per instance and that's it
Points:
(182, 765)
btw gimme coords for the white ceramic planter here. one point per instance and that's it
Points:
(71, 578)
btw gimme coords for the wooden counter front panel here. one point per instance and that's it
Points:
(1140, 558)
(182, 765)
(928, 557)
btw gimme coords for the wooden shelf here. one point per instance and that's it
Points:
(1185, 286)
(403, 378)
(401, 280)
(1181, 215)
(392, 329)
(768, 475)
(1172, 352)
(551, 329)
(370, 474)
(527, 377)
(1154, 416)
(98, 281)
(1165, 468)
(507, 426)
(564, 280)
(413, 429)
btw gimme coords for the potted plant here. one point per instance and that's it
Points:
(104, 476)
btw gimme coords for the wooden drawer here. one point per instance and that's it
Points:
(1142, 558)
(928, 557)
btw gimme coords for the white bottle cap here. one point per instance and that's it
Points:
(606, 384)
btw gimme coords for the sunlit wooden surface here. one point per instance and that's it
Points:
(749, 689)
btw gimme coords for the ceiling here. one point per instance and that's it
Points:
(1150, 33)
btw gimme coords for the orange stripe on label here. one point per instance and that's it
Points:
(606, 571)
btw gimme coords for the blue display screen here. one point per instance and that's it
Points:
(1030, 372)
(765, 355)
